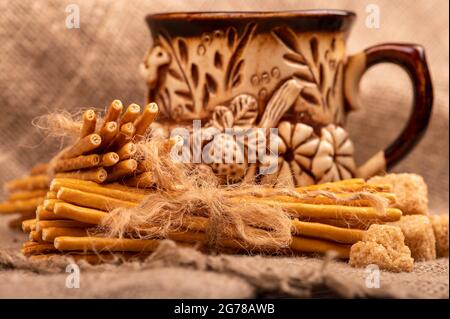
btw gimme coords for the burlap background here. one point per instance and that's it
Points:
(45, 66)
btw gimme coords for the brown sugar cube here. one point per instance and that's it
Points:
(440, 228)
(419, 236)
(410, 190)
(384, 246)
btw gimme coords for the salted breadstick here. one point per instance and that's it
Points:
(97, 175)
(331, 211)
(82, 214)
(84, 145)
(27, 195)
(317, 230)
(37, 248)
(122, 169)
(108, 132)
(89, 122)
(50, 233)
(27, 225)
(27, 183)
(130, 114)
(39, 169)
(127, 151)
(91, 200)
(97, 189)
(309, 245)
(141, 181)
(17, 206)
(113, 112)
(146, 118)
(65, 223)
(98, 244)
(79, 162)
(109, 159)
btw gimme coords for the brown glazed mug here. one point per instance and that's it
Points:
(285, 70)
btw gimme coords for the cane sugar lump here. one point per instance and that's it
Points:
(419, 236)
(440, 228)
(383, 245)
(410, 190)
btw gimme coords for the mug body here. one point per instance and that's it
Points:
(280, 70)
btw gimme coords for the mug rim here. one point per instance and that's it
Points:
(221, 15)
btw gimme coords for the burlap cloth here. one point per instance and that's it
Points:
(45, 66)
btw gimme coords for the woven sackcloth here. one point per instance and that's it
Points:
(45, 67)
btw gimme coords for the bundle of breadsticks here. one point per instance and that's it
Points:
(115, 192)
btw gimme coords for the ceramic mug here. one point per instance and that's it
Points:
(285, 70)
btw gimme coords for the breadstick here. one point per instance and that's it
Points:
(50, 233)
(130, 114)
(85, 199)
(37, 248)
(339, 200)
(113, 112)
(35, 235)
(49, 204)
(27, 224)
(84, 145)
(122, 169)
(89, 122)
(50, 195)
(108, 185)
(91, 258)
(351, 185)
(141, 181)
(108, 132)
(146, 118)
(127, 151)
(317, 230)
(27, 195)
(331, 211)
(17, 206)
(97, 175)
(109, 159)
(27, 183)
(65, 223)
(82, 214)
(39, 169)
(309, 245)
(97, 189)
(44, 214)
(126, 133)
(344, 223)
(98, 244)
(127, 188)
(82, 161)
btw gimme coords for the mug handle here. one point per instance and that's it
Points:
(411, 58)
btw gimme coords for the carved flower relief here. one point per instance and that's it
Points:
(297, 145)
(334, 160)
(305, 158)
